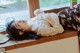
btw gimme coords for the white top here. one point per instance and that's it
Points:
(46, 24)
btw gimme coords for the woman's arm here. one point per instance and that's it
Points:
(50, 31)
(55, 27)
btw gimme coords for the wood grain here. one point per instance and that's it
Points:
(66, 34)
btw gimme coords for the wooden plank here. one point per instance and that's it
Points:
(66, 34)
(33, 5)
(54, 10)
(73, 2)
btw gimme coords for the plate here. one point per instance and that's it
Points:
(4, 38)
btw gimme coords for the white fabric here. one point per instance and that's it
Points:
(46, 24)
(38, 11)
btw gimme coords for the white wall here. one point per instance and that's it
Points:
(67, 45)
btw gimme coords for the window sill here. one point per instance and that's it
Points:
(3, 32)
(10, 45)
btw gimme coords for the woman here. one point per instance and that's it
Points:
(43, 24)
(17, 34)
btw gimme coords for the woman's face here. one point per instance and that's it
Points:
(21, 25)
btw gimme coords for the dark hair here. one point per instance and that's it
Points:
(14, 33)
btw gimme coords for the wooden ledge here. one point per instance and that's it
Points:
(66, 34)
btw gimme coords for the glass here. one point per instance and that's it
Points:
(78, 1)
(13, 8)
(52, 4)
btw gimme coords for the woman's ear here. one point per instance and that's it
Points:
(21, 32)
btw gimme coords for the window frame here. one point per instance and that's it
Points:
(34, 4)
